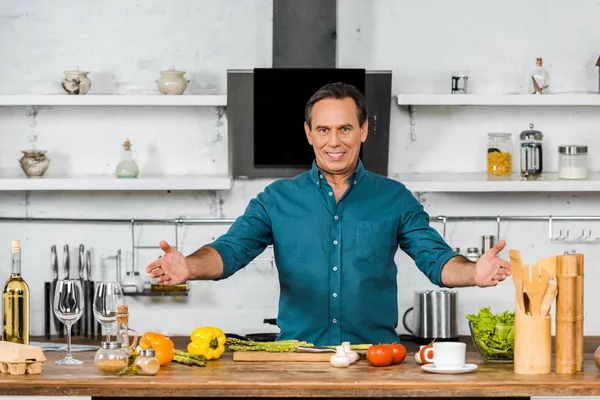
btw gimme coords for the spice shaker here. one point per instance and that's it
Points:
(531, 154)
(473, 254)
(572, 162)
(111, 359)
(146, 363)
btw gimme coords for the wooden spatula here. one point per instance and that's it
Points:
(535, 286)
(549, 296)
(549, 264)
(517, 276)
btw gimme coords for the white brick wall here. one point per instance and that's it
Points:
(125, 43)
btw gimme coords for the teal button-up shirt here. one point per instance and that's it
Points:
(338, 278)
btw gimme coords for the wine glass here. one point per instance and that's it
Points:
(68, 308)
(108, 296)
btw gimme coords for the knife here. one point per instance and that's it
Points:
(80, 267)
(54, 263)
(66, 261)
(87, 319)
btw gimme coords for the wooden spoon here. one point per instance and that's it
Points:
(517, 276)
(535, 286)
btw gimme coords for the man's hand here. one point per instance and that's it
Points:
(171, 269)
(490, 270)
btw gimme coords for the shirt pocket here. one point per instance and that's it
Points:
(373, 240)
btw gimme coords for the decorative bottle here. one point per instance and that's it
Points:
(123, 335)
(539, 81)
(127, 168)
(15, 302)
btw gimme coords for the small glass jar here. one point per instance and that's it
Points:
(531, 154)
(132, 282)
(499, 154)
(473, 254)
(111, 359)
(146, 363)
(572, 162)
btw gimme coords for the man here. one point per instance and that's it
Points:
(335, 230)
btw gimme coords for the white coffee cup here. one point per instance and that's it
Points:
(449, 354)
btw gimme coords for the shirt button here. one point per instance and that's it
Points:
(355, 182)
(331, 193)
(335, 217)
(335, 268)
(335, 242)
(334, 295)
(334, 321)
(321, 176)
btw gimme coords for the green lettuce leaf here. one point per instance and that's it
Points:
(494, 334)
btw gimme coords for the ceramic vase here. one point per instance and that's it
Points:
(34, 163)
(76, 82)
(172, 82)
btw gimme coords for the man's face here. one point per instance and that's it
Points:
(336, 135)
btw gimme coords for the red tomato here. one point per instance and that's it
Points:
(380, 355)
(399, 352)
(426, 354)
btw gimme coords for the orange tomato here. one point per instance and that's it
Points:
(426, 354)
(399, 352)
(380, 355)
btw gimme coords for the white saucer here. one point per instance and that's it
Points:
(463, 369)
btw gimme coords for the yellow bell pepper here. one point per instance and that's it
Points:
(208, 342)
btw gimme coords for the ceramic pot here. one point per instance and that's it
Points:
(76, 82)
(34, 163)
(172, 82)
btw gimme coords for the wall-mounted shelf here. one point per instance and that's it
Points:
(107, 183)
(479, 182)
(149, 293)
(583, 99)
(113, 100)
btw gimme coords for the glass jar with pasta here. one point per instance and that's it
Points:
(499, 155)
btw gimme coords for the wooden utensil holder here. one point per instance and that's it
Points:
(533, 344)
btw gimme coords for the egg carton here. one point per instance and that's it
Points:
(20, 359)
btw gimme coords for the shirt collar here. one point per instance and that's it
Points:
(317, 176)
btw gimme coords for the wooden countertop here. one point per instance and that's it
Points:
(224, 378)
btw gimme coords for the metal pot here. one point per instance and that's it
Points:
(434, 316)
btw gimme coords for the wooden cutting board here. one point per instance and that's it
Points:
(290, 356)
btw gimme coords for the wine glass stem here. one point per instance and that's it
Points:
(107, 334)
(69, 341)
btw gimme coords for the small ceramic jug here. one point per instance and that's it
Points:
(172, 82)
(34, 163)
(76, 82)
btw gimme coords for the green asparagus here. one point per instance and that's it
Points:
(197, 357)
(188, 361)
(282, 346)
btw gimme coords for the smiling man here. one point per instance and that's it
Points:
(335, 230)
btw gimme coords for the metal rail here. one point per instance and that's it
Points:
(584, 238)
(444, 219)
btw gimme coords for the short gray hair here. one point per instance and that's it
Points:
(338, 91)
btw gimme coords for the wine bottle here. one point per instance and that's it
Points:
(15, 302)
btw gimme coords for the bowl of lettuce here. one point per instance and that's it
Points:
(493, 334)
